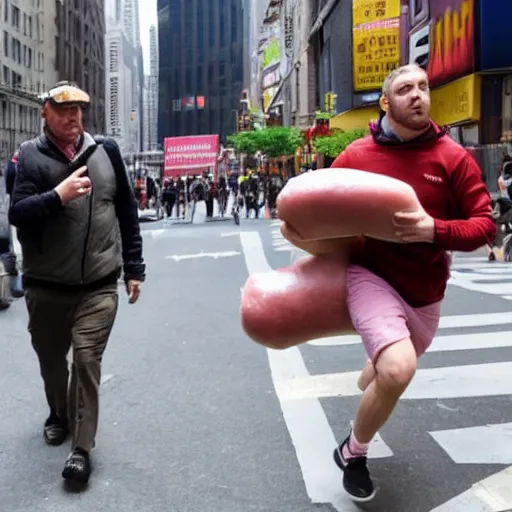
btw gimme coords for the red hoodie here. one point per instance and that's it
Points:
(448, 183)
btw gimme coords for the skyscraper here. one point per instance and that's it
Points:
(80, 53)
(153, 90)
(122, 80)
(200, 66)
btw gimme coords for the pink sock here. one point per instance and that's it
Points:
(354, 448)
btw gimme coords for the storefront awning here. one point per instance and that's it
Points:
(355, 118)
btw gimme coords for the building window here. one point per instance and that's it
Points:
(29, 58)
(6, 11)
(16, 79)
(113, 57)
(114, 104)
(211, 27)
(7, 75)
(6, 43)
(17, 50)
(15, 17)
(234, 23)
(30, 26)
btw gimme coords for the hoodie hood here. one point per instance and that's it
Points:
(433, 134)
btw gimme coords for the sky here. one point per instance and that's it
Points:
(147, 17)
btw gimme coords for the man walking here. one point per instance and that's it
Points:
(79, 230)
(394, 291)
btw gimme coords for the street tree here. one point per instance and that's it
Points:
(337, 141)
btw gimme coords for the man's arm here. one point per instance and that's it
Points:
(474, 202)
(127, 215)
(30, 208)
(10, 176)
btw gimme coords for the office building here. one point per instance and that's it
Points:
(27, 50)
(152, 91)
(200, 66)
(80, 53)
(122, 88)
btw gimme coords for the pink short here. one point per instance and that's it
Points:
(382, 317)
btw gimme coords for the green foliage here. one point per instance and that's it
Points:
(274, 142)
(243, 142)
(279, 141)
(332, 145)
(320, 115)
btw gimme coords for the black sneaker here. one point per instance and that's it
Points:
(356, 477)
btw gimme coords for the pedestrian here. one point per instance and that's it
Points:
(395, 291)
(79, 230)
(16, 283)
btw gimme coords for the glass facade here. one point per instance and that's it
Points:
(201, 66)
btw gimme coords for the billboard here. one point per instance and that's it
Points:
(375, 40)
(439, 35)
(494, 20)
(197, 152)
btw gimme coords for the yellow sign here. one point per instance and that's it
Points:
(355, 118)
(368, 11)
(330, 102)
(457, 102)
(376, 49)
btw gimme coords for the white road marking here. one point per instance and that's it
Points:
(479, 275)
(493, 494)
(478, 320)
(473, 341)
(279, 242)
(307, 424)
(490, 444)
(214, 255)
(106, 378)
(154, 233)
(492, 379)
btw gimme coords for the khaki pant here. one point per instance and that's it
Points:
(83, 320)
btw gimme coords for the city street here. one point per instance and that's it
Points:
(197, 418)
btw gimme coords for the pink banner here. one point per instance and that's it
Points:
(194, 152)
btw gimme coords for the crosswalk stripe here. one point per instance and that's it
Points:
(497, 448)
(493, 494)
(479, 380)
(456, 342)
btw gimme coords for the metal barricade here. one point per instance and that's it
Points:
(489, 158)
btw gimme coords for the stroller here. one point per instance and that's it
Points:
(502, 216)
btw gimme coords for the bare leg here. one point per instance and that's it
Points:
(367, 375)
(395, 369)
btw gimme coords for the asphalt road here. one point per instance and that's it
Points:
(190, 417)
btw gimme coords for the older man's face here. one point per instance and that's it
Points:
(64, 121)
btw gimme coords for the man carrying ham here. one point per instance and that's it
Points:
(395, 291)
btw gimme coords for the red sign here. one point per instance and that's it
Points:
(188, 153)
(439, 35)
